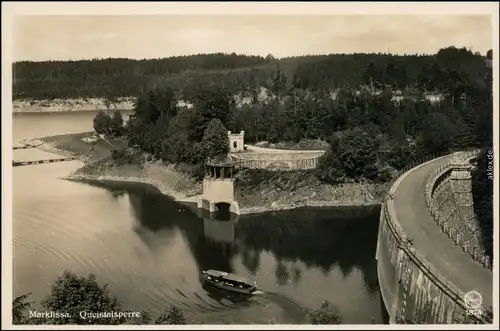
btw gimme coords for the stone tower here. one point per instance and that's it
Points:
(218, 187)
(236, 141)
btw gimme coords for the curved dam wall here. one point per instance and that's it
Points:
(278, 161)
(412, 289)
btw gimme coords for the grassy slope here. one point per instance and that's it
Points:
(73, 143)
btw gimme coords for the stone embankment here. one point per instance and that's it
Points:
(449, 199)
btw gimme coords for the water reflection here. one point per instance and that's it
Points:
(303, 244)
(219, 232)
(320, 238)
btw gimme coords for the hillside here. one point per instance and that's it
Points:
(114, 78)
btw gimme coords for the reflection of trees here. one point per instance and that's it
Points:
(318, 238)
(250, 259)
(282, 274)
(296, 275)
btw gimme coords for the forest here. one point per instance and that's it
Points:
(389, 126)
(113, 78)
(375, 112)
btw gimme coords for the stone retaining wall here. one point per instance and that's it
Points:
(449, 199)
(273, 164)
(279, 156)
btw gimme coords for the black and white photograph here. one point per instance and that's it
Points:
(224, 164)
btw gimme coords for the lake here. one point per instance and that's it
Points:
(150, 249)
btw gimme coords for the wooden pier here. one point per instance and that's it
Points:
(26, 146)
(23, 147)
(22, 163)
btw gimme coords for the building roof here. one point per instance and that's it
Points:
(220, 160)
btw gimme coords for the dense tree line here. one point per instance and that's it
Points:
(104, 123)
(182, 135)
(112, 78)
(371, 131)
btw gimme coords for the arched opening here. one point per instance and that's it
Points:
(222, 212)
(235, 144)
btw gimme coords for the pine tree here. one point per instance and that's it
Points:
(215, 140)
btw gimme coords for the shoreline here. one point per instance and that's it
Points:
(20, 106)
(180, 198)
(71, 105)
(182, 188)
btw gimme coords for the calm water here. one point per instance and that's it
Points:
(149, 249)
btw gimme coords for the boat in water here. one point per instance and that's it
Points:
(228, 282)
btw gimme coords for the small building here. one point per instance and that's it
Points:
(218, 187)
(236, 141)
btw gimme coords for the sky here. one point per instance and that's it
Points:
(65, 37)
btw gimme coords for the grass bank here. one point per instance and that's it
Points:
(256, 190)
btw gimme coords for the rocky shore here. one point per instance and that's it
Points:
(75, 105)
(257, 191)
(66, 105)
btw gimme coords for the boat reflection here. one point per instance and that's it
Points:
(221, 296)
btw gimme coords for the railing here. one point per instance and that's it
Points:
(293, 162)
(21, 163)
(405, 244)
(435, 211)
(286, 164)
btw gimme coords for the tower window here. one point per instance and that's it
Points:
(235, 144)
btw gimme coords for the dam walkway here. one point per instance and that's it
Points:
(420, 227)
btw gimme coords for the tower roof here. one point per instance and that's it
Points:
(219, 160)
